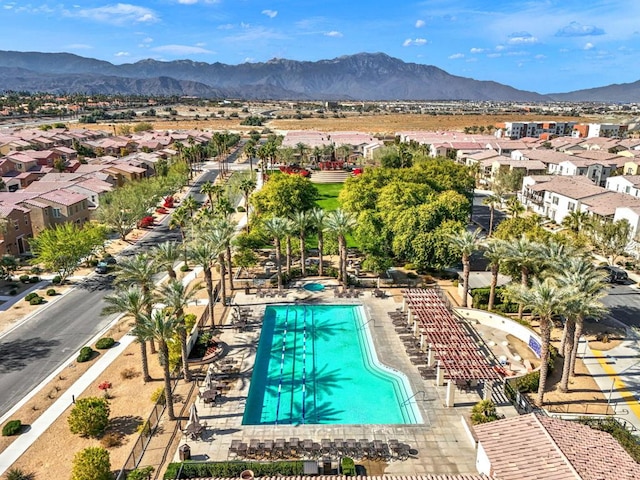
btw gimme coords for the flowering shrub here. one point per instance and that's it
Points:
(146, 222)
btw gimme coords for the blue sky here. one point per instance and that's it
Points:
(544, 46)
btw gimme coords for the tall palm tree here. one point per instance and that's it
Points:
(276, 228)
(161, 328)
(494, 251)
(301, 222)
(180, 219)
(318, 220)
(341, 224)
(545, 299)
(132, 302)
(492, 201)
(227, 229)
(208, 189)
(250, 153)
(588, 288)
(138, 270)
(289, 250)
(166, 254)
(466, 243)
(301, 149)
(247, 186)
(524, 255)
(176, 296)
(191, 204)
(205, 254)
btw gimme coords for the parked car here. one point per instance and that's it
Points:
(615, 274)
(102, 267)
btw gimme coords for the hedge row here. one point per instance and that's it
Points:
(232, 469)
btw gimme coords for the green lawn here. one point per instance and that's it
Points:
(328, 195)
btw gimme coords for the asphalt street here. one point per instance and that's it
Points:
(623, 302)
(35, 349)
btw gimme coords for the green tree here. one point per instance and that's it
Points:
(176, 296)
(466, 243)
(493, 250)
(132, 302)
(301, 222)
(122, 209)
(524, 255)
(319, 223)
(180, 219)
(204, 253)
(545, 299)
(247, 186)
(276, 228)
(576, 221)
(484, 412)
(284, 194)
(492, 201)
(89, 417)
(161, 327)
(92, 463)
(60, 249)
(611, 238)
(165, 255)
(514, 207)
(341, 223)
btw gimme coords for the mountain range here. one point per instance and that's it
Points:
(364, 76)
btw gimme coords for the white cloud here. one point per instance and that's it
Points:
(455, 56)
(118, 14)
(540, 57)
(333, 33)
(226, 26)
(249, 60)
(270, 13)
(588, 46)
(476, 50)
(79, 46)
(201, 44)
(575, 29)
(181, 50)
(121, 54)
(417, 42)
(420, 23)
(521, 38)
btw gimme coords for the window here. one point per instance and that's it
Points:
(16, 224)
(555, 200)
(56, 213)
(572, 206)
(627, 189)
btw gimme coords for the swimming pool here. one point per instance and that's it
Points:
(316, 364)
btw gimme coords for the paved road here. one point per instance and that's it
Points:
(481, 213)
(624, 304)
(39, 346)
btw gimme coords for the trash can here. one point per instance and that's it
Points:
(184, 452)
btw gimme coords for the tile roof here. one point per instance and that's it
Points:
(547, 156)
(539, 447)
(575, 187)
(606, 203)
(452, 476)
(63, 197)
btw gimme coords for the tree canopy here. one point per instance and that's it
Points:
(284, 194)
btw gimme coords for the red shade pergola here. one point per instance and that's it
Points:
(456, 350)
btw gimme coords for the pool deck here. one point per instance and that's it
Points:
(439, 446)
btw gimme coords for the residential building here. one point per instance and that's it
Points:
(15, 229)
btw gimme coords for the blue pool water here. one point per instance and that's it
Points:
(316, 364)
(314, 287)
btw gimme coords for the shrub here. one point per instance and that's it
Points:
(111, 440)
(12, 427)
(158, 395)
(128, 373)
(28, 297)
(52, 292)
(89, 417)
(528, 383)
(144, 429)
(92, 463)
(105, 343)
(19, 474)
(25, 278)
(86, 353)
(37, 300)
(184, 267)
(348, 466)
(623, 436)
(484, 412)
(233, 469)
(34, 279)
(140, 473)
(56, 280)
(241, 209)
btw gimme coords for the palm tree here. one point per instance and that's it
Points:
(276, 228)
(302, 149)
(166, 254)
(161, 328)
(176, 296)
(524, 255)
(545, 299)
(289, 253)
(250, 153)
(208, 189)
(466, 242)
(318, 220)
(576, 221)
(301, 222)
(226, 231)
(492, 201)
(341, 223)
(205, 254)
(191, 204)
(588, 287)
(247, 186)
(494, 251)
(132, 302)
(514, 207)
(179, 219)
(138, 270)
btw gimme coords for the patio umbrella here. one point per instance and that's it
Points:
(193, 415)
(207, 379)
